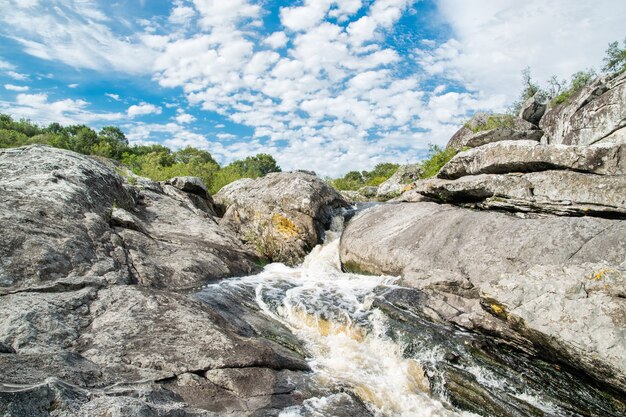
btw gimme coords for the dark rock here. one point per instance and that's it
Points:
(533, 109)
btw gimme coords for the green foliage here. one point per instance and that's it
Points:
(494, 121)
(354, 180)
(578, 81)
(615, 59)
(153, 161)
(437, 157)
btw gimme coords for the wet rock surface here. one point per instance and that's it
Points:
(505, 275)
(282, 215)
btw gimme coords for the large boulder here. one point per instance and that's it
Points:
(595, 114)
(551, 285)
(283, 215)
(398, 182)
(529, 156)
(533, 109)
(486, 128)
(557, 192)
(90, 325)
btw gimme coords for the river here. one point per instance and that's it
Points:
(395, 362)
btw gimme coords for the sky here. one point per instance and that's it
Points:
(324, 85)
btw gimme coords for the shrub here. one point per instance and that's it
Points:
(615, 60)
(494, 121)
(437, 158)
(579, 80)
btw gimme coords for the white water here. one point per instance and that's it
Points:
(330, 311)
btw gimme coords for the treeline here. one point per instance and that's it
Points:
(153, 161)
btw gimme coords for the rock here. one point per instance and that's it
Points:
(78, 337)
(533, 109)
(368, 191)
(555, 192)
(283, 215)
(55, 220)
(353, 196)
(534, 275)
(189, 184)
(596, 114)
(478, 131)
(527, 156)
(397, 183)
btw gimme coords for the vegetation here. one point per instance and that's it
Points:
(354, 180)
(578, 81)
(437, 158)
(153, 161)
(493, 121)
(615, 59)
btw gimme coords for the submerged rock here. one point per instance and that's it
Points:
(526, 279)
(283, 215)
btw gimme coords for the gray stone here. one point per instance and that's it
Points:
(189, 184)
(398, 182)
(527, 156)
(554, 281)
(282, 215)
(555, 192)
(533, 109)
(595, 114)
(475, 133)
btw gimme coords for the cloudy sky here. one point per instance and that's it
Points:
(320, 84)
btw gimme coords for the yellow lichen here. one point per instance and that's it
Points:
(597, 276)
(499, 310)
(284, 226)
(408, 187)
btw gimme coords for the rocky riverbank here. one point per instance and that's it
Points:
(523, 239)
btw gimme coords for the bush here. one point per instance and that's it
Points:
(578, 82)
(354, 180)
(437, 158)
(615, 60)
(494, 121)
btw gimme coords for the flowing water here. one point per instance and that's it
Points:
(394, 361)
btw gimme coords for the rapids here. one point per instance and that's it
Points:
(395, 362)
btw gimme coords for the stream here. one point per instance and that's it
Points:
(363, 340)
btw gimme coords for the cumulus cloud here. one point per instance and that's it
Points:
(184, 118)
(115, 97)
(142, 109)
(12, 87)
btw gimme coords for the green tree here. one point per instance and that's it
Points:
(615, 59)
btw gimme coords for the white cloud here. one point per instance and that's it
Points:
(115, 97)
(12, 87)
(74, 32)
(181, 15)
(72, 85)
(495, 40)
(142, 109)
(38, 108)
(17, 76)
(276, 40)
(184, 118)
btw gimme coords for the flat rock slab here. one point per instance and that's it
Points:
(534, 274)
(556, 192)
(528, 156)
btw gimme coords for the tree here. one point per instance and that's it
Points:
(615, 59)
(112, 134)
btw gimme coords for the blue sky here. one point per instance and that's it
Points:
(325, 85)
